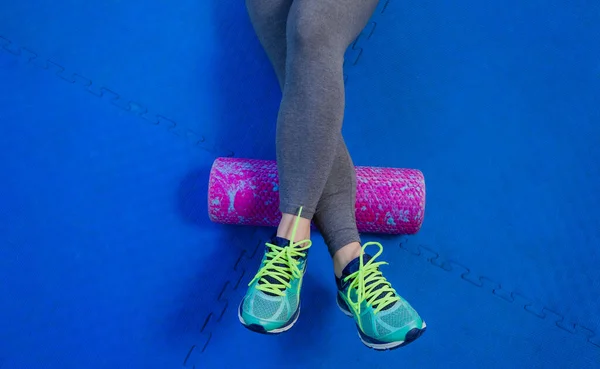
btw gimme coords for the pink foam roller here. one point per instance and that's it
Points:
(245, 192)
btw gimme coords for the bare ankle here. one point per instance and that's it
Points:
(344, 256)
(286, 228)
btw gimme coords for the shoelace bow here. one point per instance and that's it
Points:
(370, 284)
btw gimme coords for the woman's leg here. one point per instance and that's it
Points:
(307, 57)
(312, 108)
(269, 19)
(272, 302)
(335, 210)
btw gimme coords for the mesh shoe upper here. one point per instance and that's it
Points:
(274, 292)
(273, 297)
(380, 313)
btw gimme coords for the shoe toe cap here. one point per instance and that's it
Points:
(413, 334)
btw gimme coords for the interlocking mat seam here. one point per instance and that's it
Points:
(528, 304)
(353, 56)
(210, 324)
(355, 51)
(138, 109)
(220, 306)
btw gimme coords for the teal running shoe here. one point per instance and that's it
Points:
(384, 320)
(272, 302)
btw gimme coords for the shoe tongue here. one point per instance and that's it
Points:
(280, 241)
(353, 267)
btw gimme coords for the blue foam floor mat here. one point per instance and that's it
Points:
(111, 114)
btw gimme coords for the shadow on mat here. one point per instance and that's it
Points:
(192, 198)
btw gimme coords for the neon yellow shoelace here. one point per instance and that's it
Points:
(281, 264)
(371, 286)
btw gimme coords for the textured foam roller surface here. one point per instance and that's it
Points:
(246, 191)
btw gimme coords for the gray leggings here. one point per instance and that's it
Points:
(305, 41)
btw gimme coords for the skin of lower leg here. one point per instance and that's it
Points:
(344, 256)
(286, 226)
